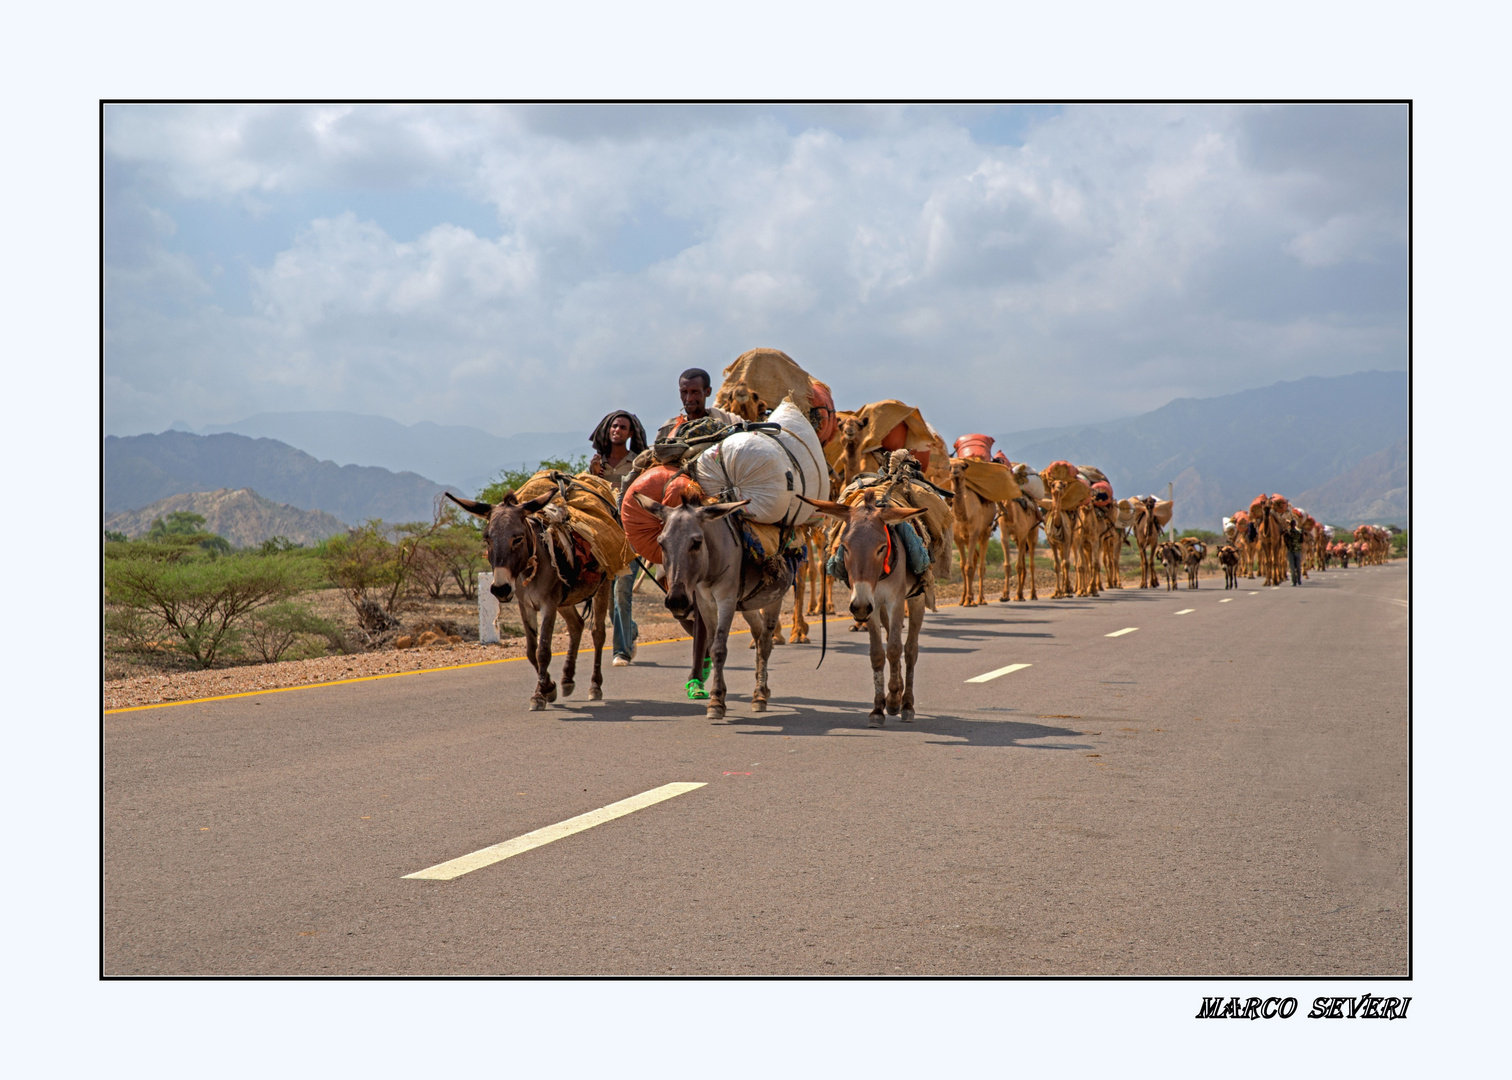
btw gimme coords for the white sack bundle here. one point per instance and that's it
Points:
(752, 465)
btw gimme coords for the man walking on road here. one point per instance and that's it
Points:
(1294, 538)
(617, 439)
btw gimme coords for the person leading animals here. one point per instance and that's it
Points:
(693, 386)
(616, 440)
(1294, 538)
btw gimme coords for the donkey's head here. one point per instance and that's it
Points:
(686, 546)
(510, 539)
(872, 559)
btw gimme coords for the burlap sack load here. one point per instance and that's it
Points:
(1077, 490)
(769, 469)
(903, 491)
(758, 381)
(590, 502)
(1093, 476)
(988, 479)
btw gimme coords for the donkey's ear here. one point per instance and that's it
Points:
(651, 506)
(472, 506)
(833, 509)
(538, 504)
(719, 510)
(894, 514)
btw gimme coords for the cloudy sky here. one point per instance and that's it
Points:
(529, 268)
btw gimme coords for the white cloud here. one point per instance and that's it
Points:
(1118, 257)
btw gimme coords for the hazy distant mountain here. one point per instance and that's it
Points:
(141, 469)
(1221, 452)
(465, 456)
(243, 517)
(1375, 490)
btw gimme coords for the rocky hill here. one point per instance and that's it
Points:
(142, 469)
(242, 516)
(1376, 490)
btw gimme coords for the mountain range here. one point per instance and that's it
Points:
(464, 458)
(141, 469)
(1337, 447)
(1317, 440)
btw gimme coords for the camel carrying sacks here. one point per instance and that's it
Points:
(990, 481)
(769, 467)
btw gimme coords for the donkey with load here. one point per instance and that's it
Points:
(554, 544)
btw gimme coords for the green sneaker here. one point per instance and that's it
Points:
(708, 667)
(695, 690)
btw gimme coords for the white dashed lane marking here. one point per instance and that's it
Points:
(1228, 600)
(1000, 671)
(466, 864)
(1186, 611)
(1121, 633)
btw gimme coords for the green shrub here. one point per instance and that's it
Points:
(200, 599)
(277, 628)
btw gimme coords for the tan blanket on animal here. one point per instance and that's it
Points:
(880, 417)
(765, 374)
(988, 479)
(1076, 491)
(589, 500)
(936, 519)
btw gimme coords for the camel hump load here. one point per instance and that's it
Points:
(757, 382)
(974, 446)
(987, 479)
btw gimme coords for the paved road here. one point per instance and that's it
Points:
(1222, 792)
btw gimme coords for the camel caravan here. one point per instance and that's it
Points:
(775, 491)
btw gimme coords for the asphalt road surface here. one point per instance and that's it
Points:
(1222, 792)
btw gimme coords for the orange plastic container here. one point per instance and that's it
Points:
(974, 446)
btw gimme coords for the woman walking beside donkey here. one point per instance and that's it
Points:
(616, 440)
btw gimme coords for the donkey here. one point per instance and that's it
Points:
(1228, 558)
(709, 578)
(883, 589)
(523, 567)
(1170, 556)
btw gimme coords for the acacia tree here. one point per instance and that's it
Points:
(202, 600)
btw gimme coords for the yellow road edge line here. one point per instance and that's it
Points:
(466, 864)
(371, 678)
(1000, 671)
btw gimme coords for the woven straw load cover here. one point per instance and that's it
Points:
(1125, 513)
(590, 516)
(767, 374)
(751, 465)
(1077, 490)
(1163, 511)
(988, 479)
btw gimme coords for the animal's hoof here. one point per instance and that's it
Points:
(800, 639)
(854, 627)
(908, 715)
(567, 688)
(875, 720)
(892, 708)
(715, 712)
(550, 694)
(758, 705)
(537, 704)
(595, 694)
